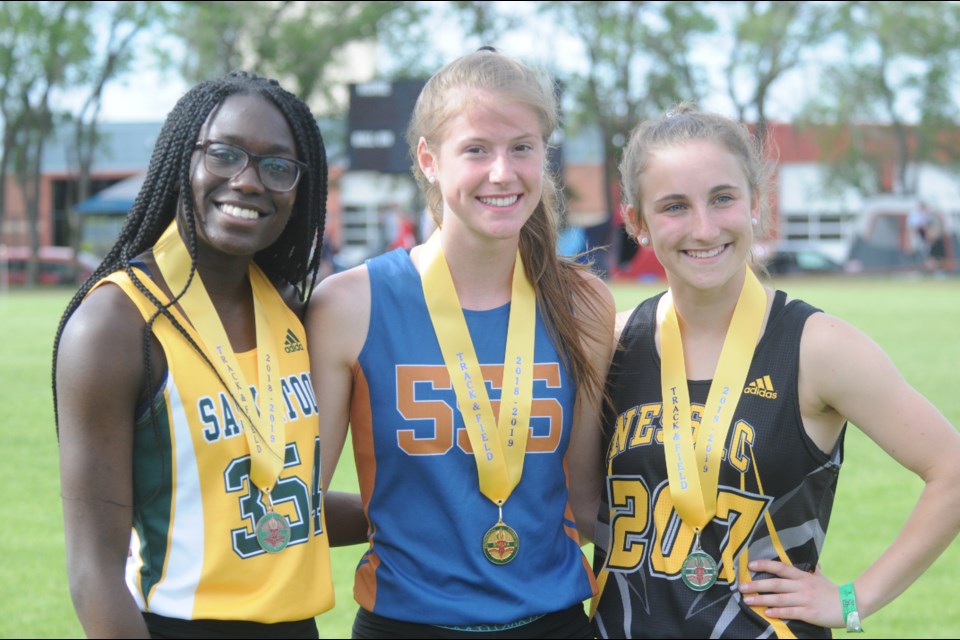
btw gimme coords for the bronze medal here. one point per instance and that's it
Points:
(699, 571)
(500, 543)
(273, 532)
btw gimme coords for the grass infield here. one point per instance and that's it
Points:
(916, 320)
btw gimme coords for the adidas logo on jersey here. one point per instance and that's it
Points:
(292, 344)
(762, 387)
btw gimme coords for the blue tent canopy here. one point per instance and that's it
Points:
(114, 200)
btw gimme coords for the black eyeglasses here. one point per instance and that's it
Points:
(228, 161)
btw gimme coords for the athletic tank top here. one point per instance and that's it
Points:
(195, 553)
(418, 476)
(776, 491)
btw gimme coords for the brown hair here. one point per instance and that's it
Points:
(557, 281)
(683, 124)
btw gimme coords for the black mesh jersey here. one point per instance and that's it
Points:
(776, 491)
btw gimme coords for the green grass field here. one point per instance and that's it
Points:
(916, 320)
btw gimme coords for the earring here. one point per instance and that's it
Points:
(754, 221)
(644, 241)
(431, 179)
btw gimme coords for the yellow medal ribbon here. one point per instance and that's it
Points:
(264, 431)
(693, 471)
(498, 451)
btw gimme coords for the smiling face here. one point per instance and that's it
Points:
(238, 216)
(697, 210)
(489, 166)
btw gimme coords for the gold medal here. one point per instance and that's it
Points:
(501, 543)
(273, 532)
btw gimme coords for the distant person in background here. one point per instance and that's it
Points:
(389, 224)
(182, 384)
(328, 262)
(469, 370)
(730, 405)
(401, 233)
(920, 225)
(572, 244)
(939, 239)
(427, 225)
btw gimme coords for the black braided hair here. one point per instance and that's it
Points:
(295, 256)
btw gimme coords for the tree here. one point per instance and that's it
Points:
(769, 40)
(124, 21)
(888, 97)
(48, 49)
(637, 63)
(44, 45)
(483, 20)
(304, 44)
(9, 55)
(409, 38)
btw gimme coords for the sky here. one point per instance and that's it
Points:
(145, 95)
(141, 97)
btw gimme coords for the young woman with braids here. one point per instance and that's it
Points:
(182, 384)
(468, 368)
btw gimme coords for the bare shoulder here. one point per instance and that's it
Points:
(342, 290)
(104, 333)
(833, 353)
(595, 310)
(599, 296)
(100, 375)
(594, 281)
(826, 337)
(844, 375)
(339, 313)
